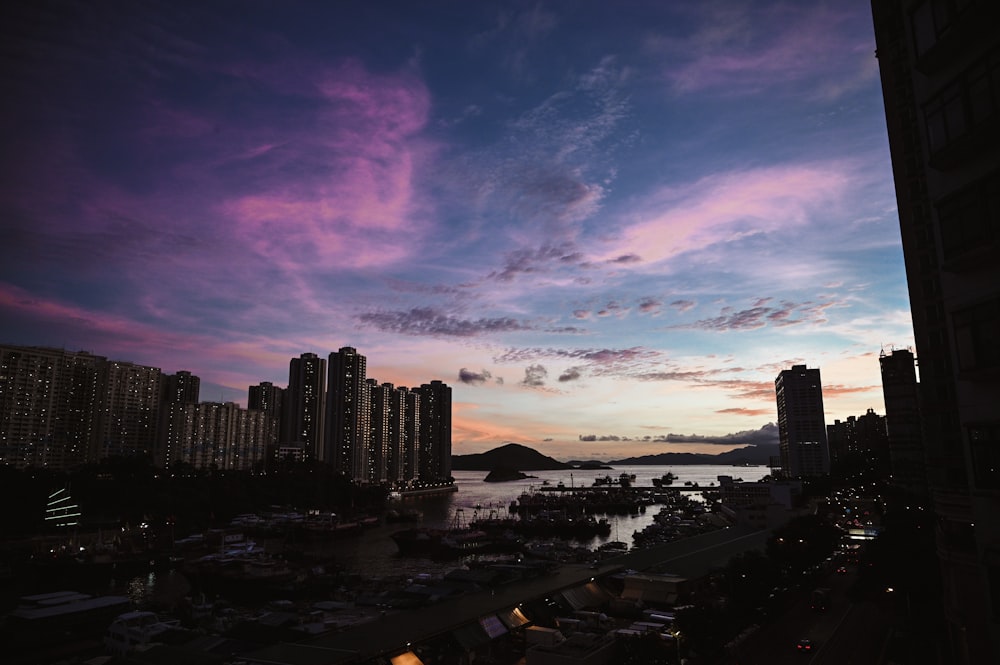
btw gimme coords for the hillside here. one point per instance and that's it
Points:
(754, 455)
(523, 458)
(510, 456)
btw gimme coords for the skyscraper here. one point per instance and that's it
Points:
(384, 429)
(49, 401)
(801, 423)
(182, 388)
(902, 415)
(217, 435)
(269, 400)
(406, 468)
(305, 405)
(434, 448)
(177, 391)
(130, 409)
(348, 416)
(939, 64)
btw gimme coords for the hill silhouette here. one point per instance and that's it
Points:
(522, 458)
(510, 456)
(754, 455)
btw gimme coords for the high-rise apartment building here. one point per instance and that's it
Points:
(268, 399)
(405, 468)
(49, 402)
(181, 388)
(348, 416)
(305, 405)
(384, 429)
(177, 391)
(902, 415)
(434, 447)
(221, 435)
(801, 423)
(130, 410)
(939, 62)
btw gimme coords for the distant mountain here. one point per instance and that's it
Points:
(752, 455)
(523, 458)
(510, 456)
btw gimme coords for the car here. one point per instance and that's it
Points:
(805, 646)
(842, 570)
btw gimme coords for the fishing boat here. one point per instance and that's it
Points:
(134, 630)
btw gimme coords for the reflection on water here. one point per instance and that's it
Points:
(154, 589)
(373, 553)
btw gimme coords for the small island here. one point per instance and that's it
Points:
(504, 474)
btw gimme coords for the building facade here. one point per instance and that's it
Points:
(801, 423)
(269, 399)
(222, 435)
(128, 422)
(939, 63)
(903, 427)
(305, 405)
(434, 446)
(49, 403)
(348, 416)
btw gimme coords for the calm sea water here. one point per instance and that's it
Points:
(374, 553)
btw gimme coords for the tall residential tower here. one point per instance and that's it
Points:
(801, 423)
(348, 417)
(304, 407)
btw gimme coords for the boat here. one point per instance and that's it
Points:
(135, 630)
(459, 540)
(41, 620)
(613, 548)
(665, 480)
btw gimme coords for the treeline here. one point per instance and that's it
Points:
(122, 491)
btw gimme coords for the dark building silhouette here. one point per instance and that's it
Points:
(176, 391)
(269, 399)
(305, 406)
(383, 429)
(404, 468)
(801, 424)
(181, 388)
(348, 416)
(859, 447)
(939, 63)
(902, 414)
(434, 449)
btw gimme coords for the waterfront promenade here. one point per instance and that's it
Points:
(394, 632)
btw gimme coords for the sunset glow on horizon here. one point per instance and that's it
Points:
(607, 226)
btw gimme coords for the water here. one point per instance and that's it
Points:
(374, 553)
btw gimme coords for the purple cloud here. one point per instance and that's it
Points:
(429, 321)
(534, 376)
(469, 377)
(571, 374)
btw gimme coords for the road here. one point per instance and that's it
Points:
(845, 634)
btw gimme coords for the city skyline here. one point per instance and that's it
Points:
(607, 229)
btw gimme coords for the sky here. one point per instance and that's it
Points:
(607, 225)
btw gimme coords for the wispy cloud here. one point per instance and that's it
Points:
(428, 321)
(766, 435)
(748, 48)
